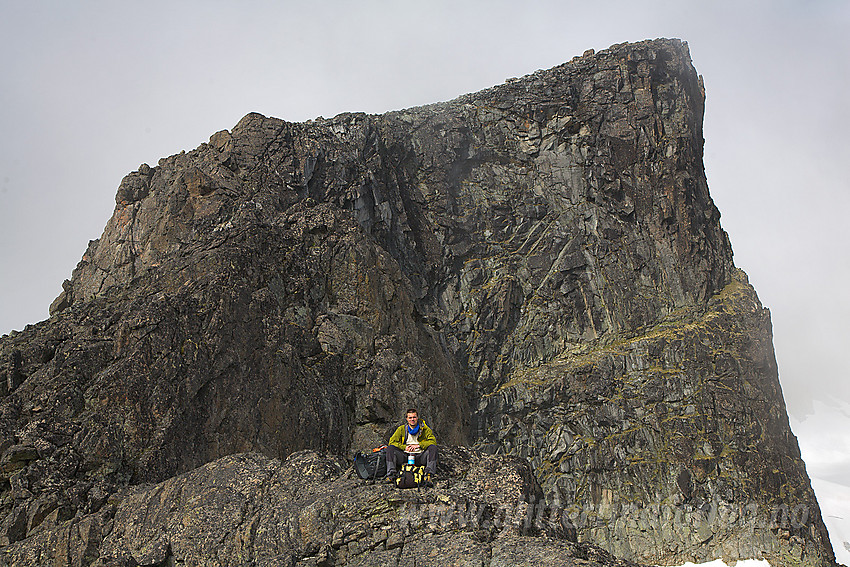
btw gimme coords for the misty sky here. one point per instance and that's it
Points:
(90, 90)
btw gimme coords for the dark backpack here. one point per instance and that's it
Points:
(371, 466)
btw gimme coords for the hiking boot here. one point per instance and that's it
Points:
(389, 478)
(429, 480)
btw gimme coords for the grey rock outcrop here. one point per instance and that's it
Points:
(248, 509)
(538, 267)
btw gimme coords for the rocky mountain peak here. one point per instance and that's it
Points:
(538, 267)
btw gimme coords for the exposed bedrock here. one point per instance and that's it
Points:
(538, 267)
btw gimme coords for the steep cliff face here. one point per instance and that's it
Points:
(538, 267)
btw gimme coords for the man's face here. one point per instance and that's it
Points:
(412, 418)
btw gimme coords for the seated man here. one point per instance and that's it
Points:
(412, 438)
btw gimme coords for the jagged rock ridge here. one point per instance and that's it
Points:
(251, 510)
(538, 266)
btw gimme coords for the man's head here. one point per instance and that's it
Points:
(412, 417)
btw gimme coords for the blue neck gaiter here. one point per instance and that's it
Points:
(414, 431)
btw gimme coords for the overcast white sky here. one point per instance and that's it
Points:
(92, 89)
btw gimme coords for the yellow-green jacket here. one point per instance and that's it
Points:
(426, 436)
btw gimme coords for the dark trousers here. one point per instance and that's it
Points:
(427, 458)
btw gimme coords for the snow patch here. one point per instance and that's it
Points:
(834, 501)
(720, 563)
(825, 447)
